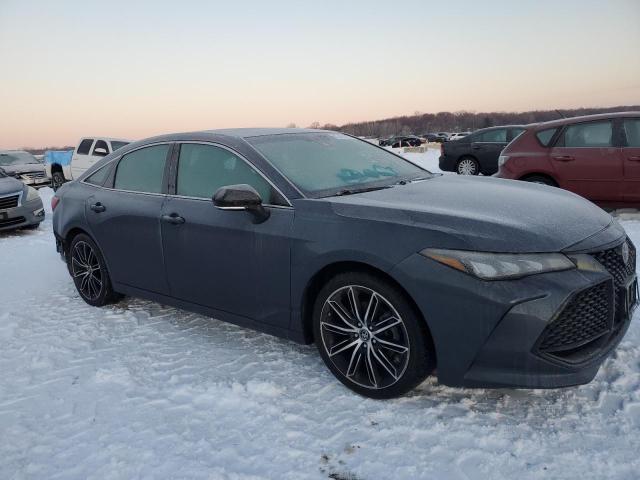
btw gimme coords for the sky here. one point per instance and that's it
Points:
(134, 69)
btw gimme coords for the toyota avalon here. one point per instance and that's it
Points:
(391, 270)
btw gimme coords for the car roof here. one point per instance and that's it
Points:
(258, 132)
(13, 151)
(585, 118)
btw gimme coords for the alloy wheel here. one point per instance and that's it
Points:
(364, 337)
(86, 271)
(467, 167)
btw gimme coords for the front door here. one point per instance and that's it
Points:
(80, 159)
(587, 162)
(221, 259)
(126, 219)
(630, 153)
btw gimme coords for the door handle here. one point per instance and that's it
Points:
(98, 207)
(475, 147)
(173, 219)
(563, 158)
(634, 159)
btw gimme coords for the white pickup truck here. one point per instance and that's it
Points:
(88, 151)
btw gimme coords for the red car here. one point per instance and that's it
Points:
(596, 156)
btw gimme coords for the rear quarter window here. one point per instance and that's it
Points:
(545, 136)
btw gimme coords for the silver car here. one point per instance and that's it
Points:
(20, 204)
(25, 167)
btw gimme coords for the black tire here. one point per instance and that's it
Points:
(89, 272)
(57, 179)
(382, 332)
(468, 166)
(541, 179)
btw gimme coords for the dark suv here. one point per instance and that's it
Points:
(596, 156)
(477, 153)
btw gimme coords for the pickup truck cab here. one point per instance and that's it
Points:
(88, 151)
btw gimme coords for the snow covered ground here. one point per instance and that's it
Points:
(139, 390)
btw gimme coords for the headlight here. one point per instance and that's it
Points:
(587, 263)
(499, 266)
(502, 159)
(32, 194)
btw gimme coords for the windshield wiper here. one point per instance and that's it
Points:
(351, 191)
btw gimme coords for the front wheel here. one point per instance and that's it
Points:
(57, 179)
(89, 272)
(468, 166)
(370, 337)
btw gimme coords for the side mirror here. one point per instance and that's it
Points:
(100, 152)
(241, 197)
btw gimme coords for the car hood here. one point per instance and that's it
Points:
(485, 214)
(10, 185)
(23, 168)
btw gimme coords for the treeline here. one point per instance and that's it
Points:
(421, 123)
(40, 151)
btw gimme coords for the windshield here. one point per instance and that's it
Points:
(17, 158)
(116, 145)
(323, 164)
(2, 174)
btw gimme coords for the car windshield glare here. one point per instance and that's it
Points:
(323, 164)
(16, 158)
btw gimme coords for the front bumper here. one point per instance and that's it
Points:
(488, 334)
(24, 215)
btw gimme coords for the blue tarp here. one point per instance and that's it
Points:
(61, 157)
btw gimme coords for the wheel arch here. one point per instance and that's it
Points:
(319, 279)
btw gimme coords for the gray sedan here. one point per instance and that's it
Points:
(25, 167)
(320, 237)
(20, 205)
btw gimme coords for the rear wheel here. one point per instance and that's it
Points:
(468, 166)
(89, 272)
(370, 337)
(541, 179)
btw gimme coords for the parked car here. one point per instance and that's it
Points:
(431, 137)
(458, 135)
(23, 166)
(88, 151)
(442, 137)
(391, 270)
(478, 152)
(401, 141)
(20, 204)
(595, 156)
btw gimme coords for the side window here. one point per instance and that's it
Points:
(203, 169)
(100, 176)
(545, 136)
(142, 170)
(593, 134)
(85, 146)
(632, 132)
(494, 136)
(515, 132)
(100, 149)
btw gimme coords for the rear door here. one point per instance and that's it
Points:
(124, 217)
(487, 146)
(80, 159)
(630, 153)
(587, 162)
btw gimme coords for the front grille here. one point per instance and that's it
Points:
(613, 261)
(9, 202)
(33, 175)
(11, 221)
(585, 319)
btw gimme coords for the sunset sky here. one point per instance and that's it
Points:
(134, 69)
